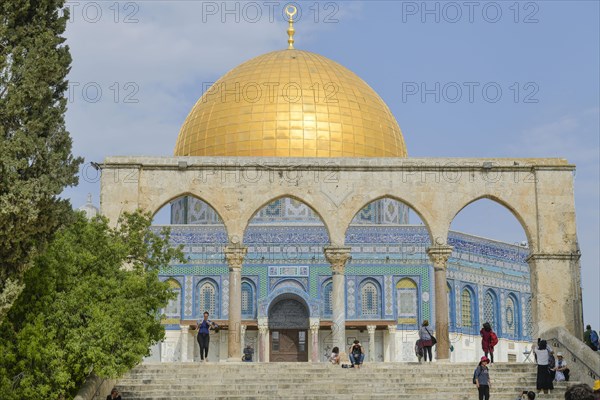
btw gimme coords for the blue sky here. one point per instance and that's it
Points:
(538, 62)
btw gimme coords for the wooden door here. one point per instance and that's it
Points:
(288, 345)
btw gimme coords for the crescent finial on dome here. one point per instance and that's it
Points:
(291, 11)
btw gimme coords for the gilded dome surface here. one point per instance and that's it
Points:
(290, 103)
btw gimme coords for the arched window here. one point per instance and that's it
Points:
(207, 297)
(489, 310)
(467, 310)
(173, 308)
(247, 300)
(370, 300)
(511, 316)
(406, 290)
(328, 299)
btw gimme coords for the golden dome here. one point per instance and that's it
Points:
(290, 103)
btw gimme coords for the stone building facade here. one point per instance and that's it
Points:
(285, 190)
(388, 286)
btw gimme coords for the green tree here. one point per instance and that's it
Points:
(35, 149)
(92, 300)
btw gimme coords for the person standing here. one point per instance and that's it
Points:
(489, 339)
(544, 376)
(590, 338)
(482, 378)
(426, 340)
(204, 328)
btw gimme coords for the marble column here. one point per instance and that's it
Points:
(392, 343)
(337, 257)
(242, 339)
(184, 342)
(371, 330)
(439, 257)
(263, 340)
(314, 340)
(235, 257)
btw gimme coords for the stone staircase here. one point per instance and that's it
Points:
(452, 381)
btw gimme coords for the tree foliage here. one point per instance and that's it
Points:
(90, 301)
(35, 149)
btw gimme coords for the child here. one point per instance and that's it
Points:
(334, 358)
(419, 350)
(482, 378)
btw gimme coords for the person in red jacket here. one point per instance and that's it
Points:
(488, 340)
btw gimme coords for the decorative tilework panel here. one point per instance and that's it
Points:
(225, 298)
(389, 295)
(350, 296)
(188, 296)
(489, 310)
(511, 315)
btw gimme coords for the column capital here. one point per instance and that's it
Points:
(184, 328)
(371, 329)
(314, 328)
(337, 257)
(243, 328)
(263, 329)
(391, 328)
(439, 255)
(235, 256)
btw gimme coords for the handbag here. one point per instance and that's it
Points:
(433, 339)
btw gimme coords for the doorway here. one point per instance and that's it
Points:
(288, 326)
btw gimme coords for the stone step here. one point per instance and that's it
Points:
(365, 395)
(324, 381)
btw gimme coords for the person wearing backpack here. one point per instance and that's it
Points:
(489, 340)
(544, 360)
(590, 338)
(481, 378)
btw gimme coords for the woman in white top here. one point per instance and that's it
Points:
(544, 376)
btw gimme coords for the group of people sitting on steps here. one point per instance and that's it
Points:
(356, 354)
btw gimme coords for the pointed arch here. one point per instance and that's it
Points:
(512, 317)
(173, 308)
(491, 310)
(207, 297)
(184, 195)
(248, 299)
(407, 296)
(369, 298)
(356, 211)
(529, 230)
(272, 200)
(327, 298)
(468, 310)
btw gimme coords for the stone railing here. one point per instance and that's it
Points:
(583, 362)
(95, 388)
